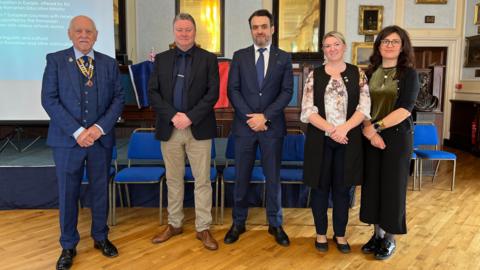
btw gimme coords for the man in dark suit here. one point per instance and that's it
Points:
(82, 95)
(183, 89)
(259, 87)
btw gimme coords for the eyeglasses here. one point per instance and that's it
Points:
(335, 45)
(393, 42)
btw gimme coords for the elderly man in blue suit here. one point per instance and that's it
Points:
(259, 87)
(83, 97)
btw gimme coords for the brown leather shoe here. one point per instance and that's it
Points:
(207, 239)
(168, 233)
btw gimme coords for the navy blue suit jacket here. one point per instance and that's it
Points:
(244, 91)
(61, 97)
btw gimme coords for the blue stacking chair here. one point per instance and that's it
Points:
(143, 150)
(293, 152)
(228, 175)
(213, 177)
(425, 134)
(415, 159)
(113, 171)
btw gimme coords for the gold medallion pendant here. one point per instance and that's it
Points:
(87, 69)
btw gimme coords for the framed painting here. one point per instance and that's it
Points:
(431, 1)
(370, 20)
(209, 17)
(299, 27)
(119, 26)
(361, 52)
(472, 51)
(476, 17)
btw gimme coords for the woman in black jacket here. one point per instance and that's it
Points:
(335, 102)
(393, 85)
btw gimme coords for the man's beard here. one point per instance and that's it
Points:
(261, 40)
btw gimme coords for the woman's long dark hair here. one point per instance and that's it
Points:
(406, 57)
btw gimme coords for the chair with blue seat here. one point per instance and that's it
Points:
(291, 171)
(213, 177)
(144, 156)
(228, 174)
(415, 160)
(113, 171)
(425, 135)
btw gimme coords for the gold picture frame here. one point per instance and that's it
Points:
(431, 1)
(370, 20)
(361, 52)
(476, 17)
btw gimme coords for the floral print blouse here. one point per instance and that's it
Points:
(336, 100)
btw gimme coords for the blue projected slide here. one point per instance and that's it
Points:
(29, 30)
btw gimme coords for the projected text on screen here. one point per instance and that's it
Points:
(31, 29)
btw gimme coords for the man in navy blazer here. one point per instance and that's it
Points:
(259, 87)
(82, 94)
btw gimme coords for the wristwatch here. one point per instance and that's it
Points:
(268, 123)
(378, 126)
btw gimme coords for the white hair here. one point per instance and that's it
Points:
(82, 16)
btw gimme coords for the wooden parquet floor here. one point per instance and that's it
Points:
(443, 233)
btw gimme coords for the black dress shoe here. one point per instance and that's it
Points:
(344, 248)
(107, 248)
(385, 250)
(233, 234)
(372, 245)
(66, 259)
(322, 247)
(280, 236)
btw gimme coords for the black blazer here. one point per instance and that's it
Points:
(202, 90)
(353, 161)
(408, 88)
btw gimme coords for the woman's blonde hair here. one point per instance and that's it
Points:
(336, 35)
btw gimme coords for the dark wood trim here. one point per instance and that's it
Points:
(122, 27)
(465, 126)
(222, 28)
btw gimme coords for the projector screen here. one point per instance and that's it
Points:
(29, 30)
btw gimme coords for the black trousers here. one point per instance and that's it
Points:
(384, 189)
(331, 181)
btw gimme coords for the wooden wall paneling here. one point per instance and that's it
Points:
(465, 126)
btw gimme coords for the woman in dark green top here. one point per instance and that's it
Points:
(394, 88)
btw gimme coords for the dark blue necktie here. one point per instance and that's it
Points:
(260, 65)
(179, 82)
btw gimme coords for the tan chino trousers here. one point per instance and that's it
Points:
(183, 143)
